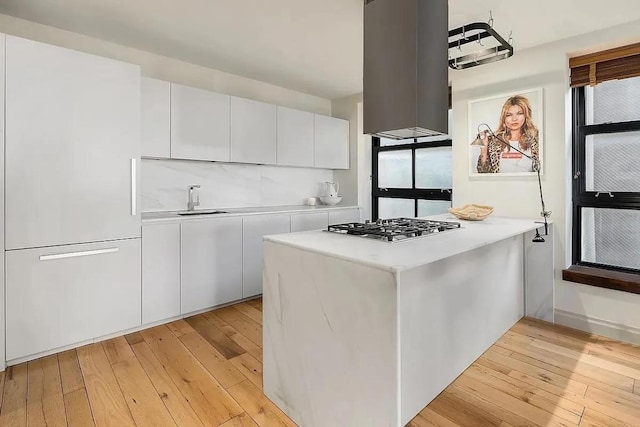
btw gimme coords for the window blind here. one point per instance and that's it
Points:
(618, 63)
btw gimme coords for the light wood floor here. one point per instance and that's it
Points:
(207, 370)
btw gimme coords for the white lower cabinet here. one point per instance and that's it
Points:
(254, 228)
(309, 221)
(63, 295)
(160, 272)
(211, 262)
(344, 216)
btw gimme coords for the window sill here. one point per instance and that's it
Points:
(602, 278)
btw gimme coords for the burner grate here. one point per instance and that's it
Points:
(394, 229)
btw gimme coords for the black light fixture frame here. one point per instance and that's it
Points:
(485, 56)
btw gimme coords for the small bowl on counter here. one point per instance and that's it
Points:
(327, 200)
(472, 212)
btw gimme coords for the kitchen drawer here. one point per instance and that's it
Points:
(309, 221)
(58, 296)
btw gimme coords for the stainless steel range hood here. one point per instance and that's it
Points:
(405, 68)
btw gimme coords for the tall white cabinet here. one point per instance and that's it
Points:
(2, 288)
(72, 147)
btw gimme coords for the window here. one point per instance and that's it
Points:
(606, 178)
(411, 177)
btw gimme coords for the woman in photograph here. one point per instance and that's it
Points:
(516, 130)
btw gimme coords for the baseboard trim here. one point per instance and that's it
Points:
(597, 326)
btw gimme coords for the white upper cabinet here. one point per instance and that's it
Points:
(155, 99)
(199, 124)
(331, 143)
(72, 143)
(253, 132)
(295, 137)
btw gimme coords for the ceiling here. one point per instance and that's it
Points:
(313, 47)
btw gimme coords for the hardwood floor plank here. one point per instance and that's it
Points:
(220, 367)
(515, 405)
(117, 350)
(14, 400)
(593, 418)
(613, 406)
(70, 372)
(241, 323)
(563, 408)
(134, 338)
(615, 346)
(567, 364)
(617, 357)
(215, 337)
(471, 396)
(242, 420)
(235, 336)
(430, 418)
(77, 409)
(1, 387)
(156, 333)
(461, 411)
(249, 311)
(256, 404)
(141, 397)
(207, 397)
(45, 403)
(180, 327)
(174, 400)
(105, 397)
(250, 367)
(589, 359)
(536, 369)
(500, 350)
(554, 335)
(256, 303)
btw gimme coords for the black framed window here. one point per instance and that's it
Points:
(606, 176)
(411, 178)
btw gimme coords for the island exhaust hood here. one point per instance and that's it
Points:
(405, 68)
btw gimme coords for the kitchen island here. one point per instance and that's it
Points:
(362, 332)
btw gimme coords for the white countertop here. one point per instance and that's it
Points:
(153, 217)
(409, 253)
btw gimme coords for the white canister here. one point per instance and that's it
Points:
(311, 201)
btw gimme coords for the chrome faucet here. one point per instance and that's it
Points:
(191, 204)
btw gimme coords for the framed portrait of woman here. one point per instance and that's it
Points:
(506, 134)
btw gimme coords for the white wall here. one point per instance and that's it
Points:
(600, 310)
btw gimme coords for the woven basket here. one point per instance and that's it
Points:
(472, 212)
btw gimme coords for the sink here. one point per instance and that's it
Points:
(202, 212)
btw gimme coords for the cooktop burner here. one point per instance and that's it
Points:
(394, 229)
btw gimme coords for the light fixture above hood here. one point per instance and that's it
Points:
(405, 68)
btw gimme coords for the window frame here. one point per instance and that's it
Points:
(596, 274)
(444, 194)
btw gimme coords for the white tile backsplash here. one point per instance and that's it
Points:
(227, 185)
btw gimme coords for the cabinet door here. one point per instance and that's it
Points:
(253, 132)
(62, 295)
(199, 124)
(253, 229)
(211, 264)
(295, 137)
(344, 216)
(160, 272)
(309, 221)
(73, 130)
(156, 117)
(2, 317)
(331, 143)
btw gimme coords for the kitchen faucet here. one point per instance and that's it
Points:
(191, 204)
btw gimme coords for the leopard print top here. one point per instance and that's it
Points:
(492, 165)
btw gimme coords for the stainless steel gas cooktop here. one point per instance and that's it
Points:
(394, 229)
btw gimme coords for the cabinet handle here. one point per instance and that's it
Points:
(77, 254)
(134, 197)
